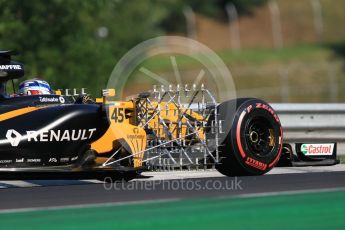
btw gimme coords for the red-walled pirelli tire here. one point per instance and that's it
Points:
(254, 139)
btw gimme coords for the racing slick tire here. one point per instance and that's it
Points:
(253, 140)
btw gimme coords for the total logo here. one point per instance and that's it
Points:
(317, 149)
(14, 137)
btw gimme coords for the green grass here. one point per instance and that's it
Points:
(342, 159)
(300, 211)
(252, 56)
(284, 55)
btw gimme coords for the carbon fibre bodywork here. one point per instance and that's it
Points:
(47, 130)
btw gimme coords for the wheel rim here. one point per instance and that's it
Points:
(259, 135)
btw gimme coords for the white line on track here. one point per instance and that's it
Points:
(296, 192)
(93, 181)
(132, 203)
(102, 205)
(18, 183)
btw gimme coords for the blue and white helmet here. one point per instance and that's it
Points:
(35, 87)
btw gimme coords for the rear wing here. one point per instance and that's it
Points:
(10, 69)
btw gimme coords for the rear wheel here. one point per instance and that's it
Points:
(252, 143)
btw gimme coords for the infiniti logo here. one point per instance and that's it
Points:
(13, 137)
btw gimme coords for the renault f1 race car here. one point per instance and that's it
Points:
(72, 136)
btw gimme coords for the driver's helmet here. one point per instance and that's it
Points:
(34, 87)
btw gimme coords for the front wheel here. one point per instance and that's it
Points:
(253, 142)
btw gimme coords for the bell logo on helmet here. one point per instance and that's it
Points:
(13, 137)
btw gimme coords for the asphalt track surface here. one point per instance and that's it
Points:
(169, 186)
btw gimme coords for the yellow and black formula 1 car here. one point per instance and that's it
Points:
(73, 136)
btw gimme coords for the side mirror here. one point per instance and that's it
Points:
(9, 69)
